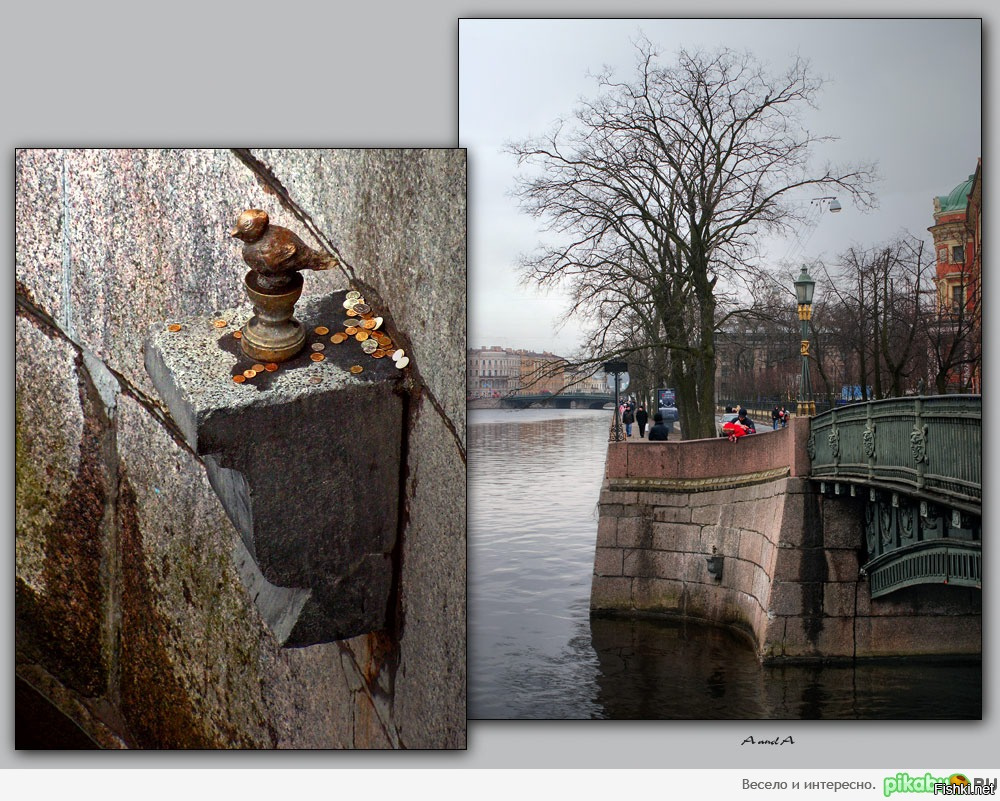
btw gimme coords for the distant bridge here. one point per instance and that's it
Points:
(564, 400)
(917, 465)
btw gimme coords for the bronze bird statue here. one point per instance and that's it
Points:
(274, 252)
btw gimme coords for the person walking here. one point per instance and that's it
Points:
(628, 418)
(642, 417)
(784, 416)
(659, 432)
(775, 418)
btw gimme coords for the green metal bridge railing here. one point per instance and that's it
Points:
(930, 447)
(920, 463)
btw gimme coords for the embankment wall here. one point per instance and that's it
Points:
(790, 557)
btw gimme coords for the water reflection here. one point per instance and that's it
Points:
(666, 669)
(534, 651)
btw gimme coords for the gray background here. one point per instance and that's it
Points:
(382, 74)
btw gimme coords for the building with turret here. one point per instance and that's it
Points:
(957, 233)
(955, 244)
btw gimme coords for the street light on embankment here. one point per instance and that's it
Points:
(804, 288)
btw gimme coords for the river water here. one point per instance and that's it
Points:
(534, 652)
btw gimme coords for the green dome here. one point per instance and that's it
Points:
(958, 198)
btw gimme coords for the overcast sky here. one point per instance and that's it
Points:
(904, 93)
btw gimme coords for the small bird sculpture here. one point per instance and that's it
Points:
(274, 252)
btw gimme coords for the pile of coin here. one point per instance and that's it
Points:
(241, 378)
(364, 326)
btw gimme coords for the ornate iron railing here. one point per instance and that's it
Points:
(926, 447)
(944, 562)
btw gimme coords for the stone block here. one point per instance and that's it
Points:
(787, 564)
(611, 593)
(359, 197)
(48, 428)
(842, 565)
(609, 509)
(669, 500)
(786, 598)
(429, 703)
(312, 489)
(41, 265)
(744, 516)
(791, 523)
(607, 531)
(634, 532)
(724, 538)
(657, 459)
(761, 590)
(608, 561)
(658, 595)
(727, 510)
(803, 564)
(655, 564)
(839, 599)
(843, 522)
(818, 637)
(616, 464)
(738, 574)
(768, 555)
(672, 514)
(64, 490)
(180, 594)
(705, 515)
(923, 635)
(676, 537)
(750, 543)
(609, 496)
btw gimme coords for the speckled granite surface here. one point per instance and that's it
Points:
(128, 568)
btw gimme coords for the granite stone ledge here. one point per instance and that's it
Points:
(308, 472)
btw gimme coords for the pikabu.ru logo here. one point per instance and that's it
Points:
(955, 784)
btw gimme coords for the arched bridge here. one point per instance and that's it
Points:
(564, 400)
(916, 463)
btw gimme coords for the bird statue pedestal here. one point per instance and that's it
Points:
(272, 335)
(274, 255)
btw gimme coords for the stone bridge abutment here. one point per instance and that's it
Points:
(737, 534)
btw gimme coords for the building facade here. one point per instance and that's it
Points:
(955, 244)
(496, 372)
(492, 372)
(957, 233)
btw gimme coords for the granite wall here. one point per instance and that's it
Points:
(790, 557)
(130, 615)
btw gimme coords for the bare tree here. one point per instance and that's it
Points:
(659, 188)
(876, 312)
(954, 335)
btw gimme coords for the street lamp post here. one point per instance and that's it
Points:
(804, 287)
(616, 368)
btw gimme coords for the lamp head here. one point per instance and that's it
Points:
(804, 287)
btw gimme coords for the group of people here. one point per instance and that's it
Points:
(779, 416)
(639, 416)
(739, 427)
(743, 425)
